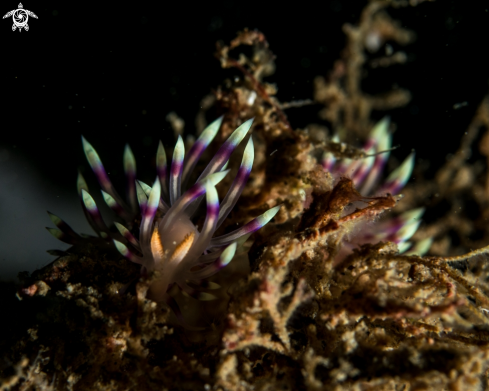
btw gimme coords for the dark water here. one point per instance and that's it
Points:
(112, 74)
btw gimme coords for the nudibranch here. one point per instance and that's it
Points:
(365, 175)
(169, 245)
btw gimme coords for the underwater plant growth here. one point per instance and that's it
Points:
(170, 245)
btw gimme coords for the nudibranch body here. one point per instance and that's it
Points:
(365, 175)
(170, 245)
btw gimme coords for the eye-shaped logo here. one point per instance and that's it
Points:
(20, 16)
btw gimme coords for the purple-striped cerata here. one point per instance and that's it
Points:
(169, 245)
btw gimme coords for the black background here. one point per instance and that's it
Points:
(113, 73)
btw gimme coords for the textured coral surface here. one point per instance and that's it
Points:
(291, 314)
